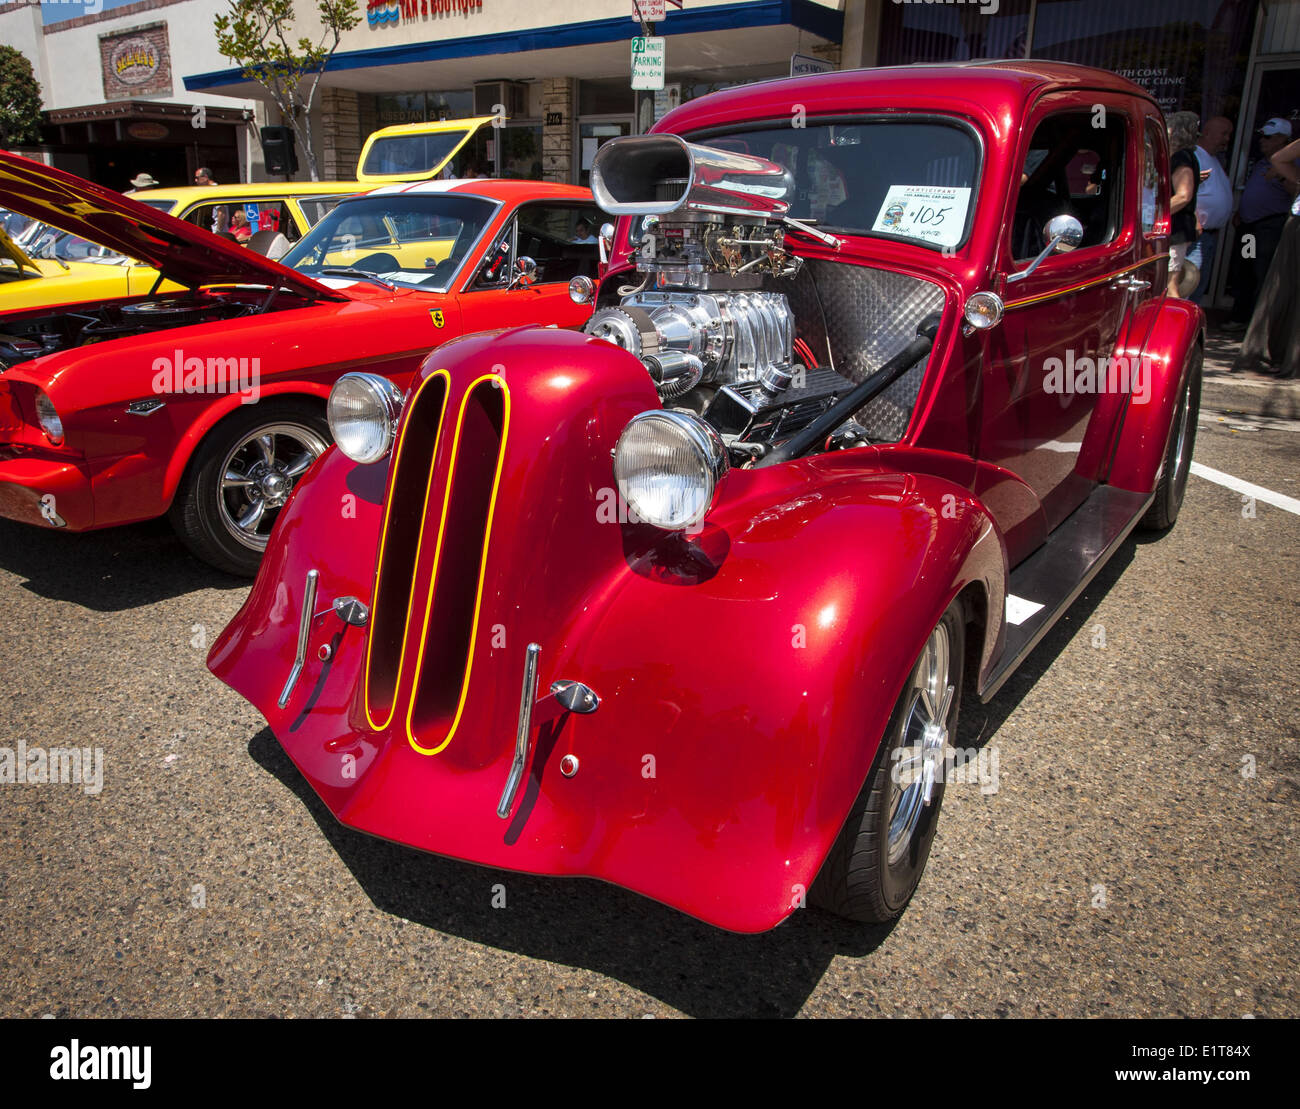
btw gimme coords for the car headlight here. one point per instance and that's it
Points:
(668, 466)
(363, 411)
(48, 418)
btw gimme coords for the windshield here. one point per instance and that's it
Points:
(160, 205)
(411, 155)
(906, 178)
(420, 240)
(53, 243)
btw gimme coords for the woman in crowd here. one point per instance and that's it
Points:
(1184, 181)
(1274, 331)
(239, 226)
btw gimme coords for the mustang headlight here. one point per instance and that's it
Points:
(48, 418)
(363, 411)
(668, 466)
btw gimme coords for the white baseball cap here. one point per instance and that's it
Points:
(1276, 126)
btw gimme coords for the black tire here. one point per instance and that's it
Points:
(207, 509)
(858, 880)
(1178, 454)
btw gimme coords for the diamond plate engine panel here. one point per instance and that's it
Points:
(857, 318)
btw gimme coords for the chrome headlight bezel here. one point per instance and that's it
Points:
(679, 430)
(385, 402)
(48, 418)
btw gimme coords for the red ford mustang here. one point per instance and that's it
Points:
(868, 403)
(210, 404)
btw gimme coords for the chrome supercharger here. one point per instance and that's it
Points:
(710, 232)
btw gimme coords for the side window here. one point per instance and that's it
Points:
(244, 218)
(1075, 166)
(1155, 206)
(560, 238)
(314, 208)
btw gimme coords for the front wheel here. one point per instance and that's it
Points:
(875, 864)
(241, 476)
(1178, 456)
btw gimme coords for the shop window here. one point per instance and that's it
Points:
(953, 32)
(1072, 168)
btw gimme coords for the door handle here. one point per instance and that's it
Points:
(1135, 283)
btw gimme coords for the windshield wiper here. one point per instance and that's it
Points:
(804, 227)
(346, 271)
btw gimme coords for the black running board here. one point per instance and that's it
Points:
(1042, 587)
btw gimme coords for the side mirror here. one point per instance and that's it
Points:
(1063, 234)
(525, 272)
(606, 241)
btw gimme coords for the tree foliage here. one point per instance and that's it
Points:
(258, 36)
(20, 99)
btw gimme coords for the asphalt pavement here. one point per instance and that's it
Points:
(1132, 850)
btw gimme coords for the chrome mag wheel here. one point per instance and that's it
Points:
(259, 473)
(918, 768)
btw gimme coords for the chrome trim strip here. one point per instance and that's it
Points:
(304, 633)
(526, 697)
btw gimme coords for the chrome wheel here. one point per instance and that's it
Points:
(923, 747)
(257, 476)
(1182, 447)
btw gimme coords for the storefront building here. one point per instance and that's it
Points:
(113, 101)
(560, 69)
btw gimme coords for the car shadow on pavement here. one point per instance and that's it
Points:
(582, 922)
(107, 571)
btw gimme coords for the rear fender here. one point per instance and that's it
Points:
(1144, 435)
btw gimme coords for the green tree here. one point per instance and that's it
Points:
(257, 35)
(20, 99)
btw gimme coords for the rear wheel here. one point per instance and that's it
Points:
(877, 861)
(1178, 456)
(241, 476)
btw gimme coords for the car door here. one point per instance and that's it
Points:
(1050, 358)
(560, 237)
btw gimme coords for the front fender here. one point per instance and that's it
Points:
(745, 674)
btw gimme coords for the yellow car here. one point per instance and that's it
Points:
(451, 148)
(57, 268)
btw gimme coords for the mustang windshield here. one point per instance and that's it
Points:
(421, 239)
(905, 178)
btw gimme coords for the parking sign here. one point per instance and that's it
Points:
(648, 57)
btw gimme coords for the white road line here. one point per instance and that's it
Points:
(1246, 489)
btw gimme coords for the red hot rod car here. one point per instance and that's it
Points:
(866, 402)
(209, 404)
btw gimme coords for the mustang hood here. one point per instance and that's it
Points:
(179, 250)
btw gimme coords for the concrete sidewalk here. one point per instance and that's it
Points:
(1246, 393)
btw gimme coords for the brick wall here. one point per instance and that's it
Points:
(559, 95)
(341, 134)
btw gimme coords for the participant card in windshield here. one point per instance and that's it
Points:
(932, 213)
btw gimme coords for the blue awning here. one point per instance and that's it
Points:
(802, 15)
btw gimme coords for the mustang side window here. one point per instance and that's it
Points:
(560, 238)
(1074, 167)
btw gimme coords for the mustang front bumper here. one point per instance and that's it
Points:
(45, 492)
